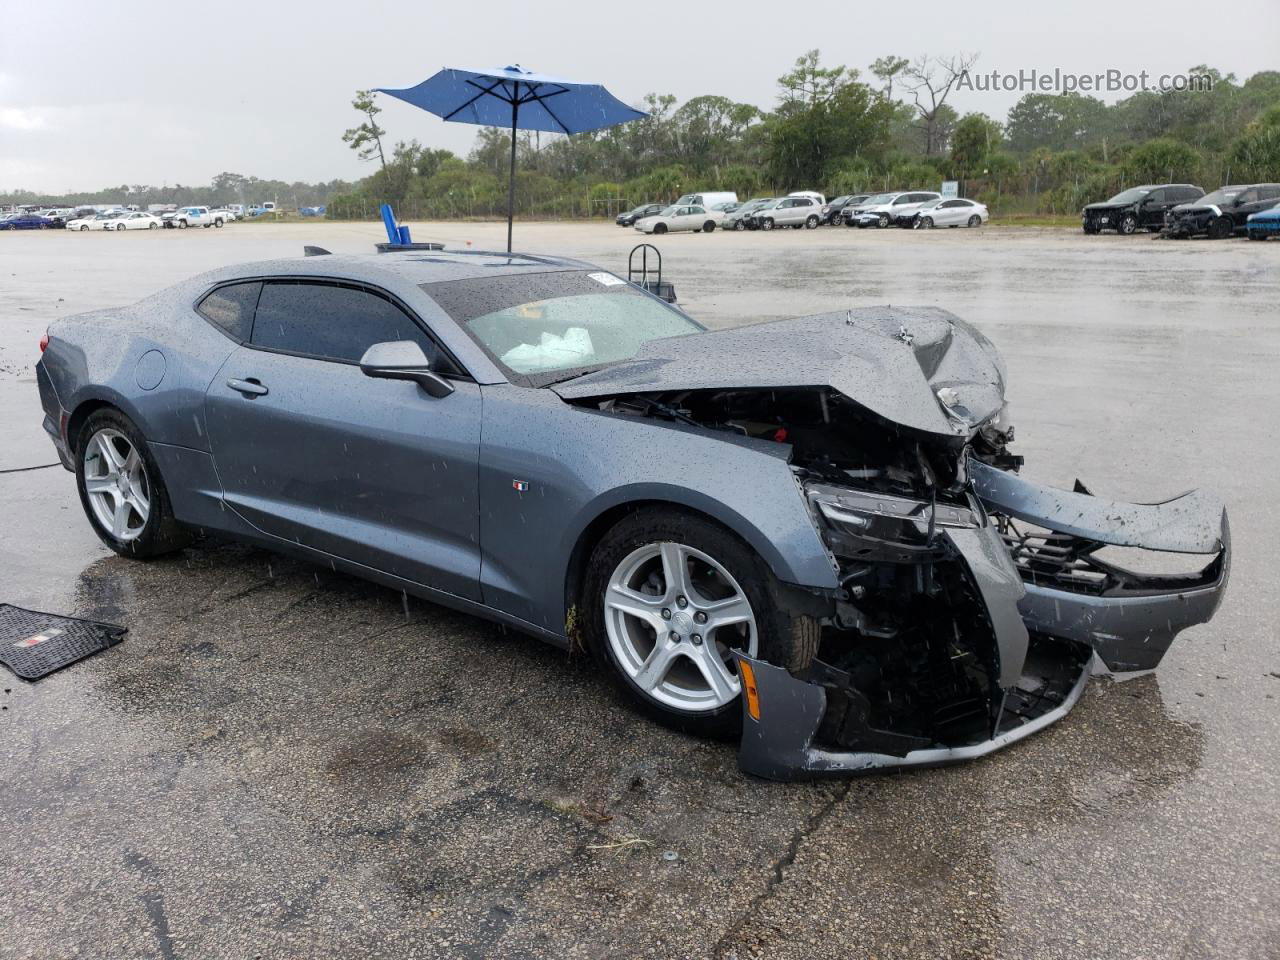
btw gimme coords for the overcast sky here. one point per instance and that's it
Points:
(94, 94)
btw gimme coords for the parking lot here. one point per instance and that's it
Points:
(280, 761)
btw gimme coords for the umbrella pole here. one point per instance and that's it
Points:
(511, 185)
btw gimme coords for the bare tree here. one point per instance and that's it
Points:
(930, 80)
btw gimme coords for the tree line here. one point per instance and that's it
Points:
(831, 129)
(834, 131)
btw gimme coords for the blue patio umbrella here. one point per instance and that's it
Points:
(519, 99)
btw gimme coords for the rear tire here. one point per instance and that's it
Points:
(119, 227)
(925, 223)
(883, 221)
(182, 224)
(737, 225)
(975, 221)
(147, 527)
(811, 223)
(628, 568)
(1128, 225)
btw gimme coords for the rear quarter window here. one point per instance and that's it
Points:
(230, 308)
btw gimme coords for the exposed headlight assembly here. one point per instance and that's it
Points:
(862, 524)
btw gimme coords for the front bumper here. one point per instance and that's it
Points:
(1050, 606)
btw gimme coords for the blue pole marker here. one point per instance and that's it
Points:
(389, 219)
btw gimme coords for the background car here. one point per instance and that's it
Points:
(950, 212)
(81, 223)
(107, 220)
(629, 218)
(739, 219)
(135, 220)
(677, 218)
(831, 211)
(1138, 208)
(796, 212)
(1261, 226)
(27, 221)
(193, 217)
(1222, 213)
(892, 209)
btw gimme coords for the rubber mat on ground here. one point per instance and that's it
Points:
(34, 644)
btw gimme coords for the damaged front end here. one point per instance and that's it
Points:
(971, 602)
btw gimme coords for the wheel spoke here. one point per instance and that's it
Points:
(675, 570)
(722, 683)
(654, 669)
(120, 519)
(110, 454)
(648, 609)
(131, 463)
(723, 613)
(101, 485)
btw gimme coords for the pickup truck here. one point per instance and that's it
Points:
(185, 217)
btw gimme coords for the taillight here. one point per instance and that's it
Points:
(44, 342)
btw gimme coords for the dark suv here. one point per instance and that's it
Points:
(1221, 213)
(629, 218)
(1138, 208)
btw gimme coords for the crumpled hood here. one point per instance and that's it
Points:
(1107, 205)
(890, 360)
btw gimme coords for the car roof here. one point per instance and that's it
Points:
(415, 266)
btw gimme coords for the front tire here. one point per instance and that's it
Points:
(660, 228)
(669, 594)
(121, 489)
(766, 223)
(709, 226)
(1128, 225)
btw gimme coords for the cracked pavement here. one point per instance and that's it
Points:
(281, 761)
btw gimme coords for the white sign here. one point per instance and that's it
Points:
(950, 188)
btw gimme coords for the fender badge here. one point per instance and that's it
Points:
(520, 486)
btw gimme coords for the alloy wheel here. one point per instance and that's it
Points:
(116, 481)
(673, 614)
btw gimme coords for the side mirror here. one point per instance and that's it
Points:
(404, 360)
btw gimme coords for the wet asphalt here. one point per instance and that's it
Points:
(284, 762)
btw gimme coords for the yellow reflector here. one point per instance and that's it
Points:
(749, 689)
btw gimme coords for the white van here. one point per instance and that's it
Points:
(706, 200)
(811, 194)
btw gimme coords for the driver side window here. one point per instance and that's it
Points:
(330, 321)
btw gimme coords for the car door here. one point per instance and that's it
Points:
(310, 450)
(1151, 210)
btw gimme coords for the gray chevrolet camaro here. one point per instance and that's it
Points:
(809, 534)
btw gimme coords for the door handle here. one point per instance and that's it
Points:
(249, 388)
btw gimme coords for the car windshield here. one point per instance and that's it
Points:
(669, 211)
(547, 327)
(1130, 196)
(1221, 195)
(879, 198)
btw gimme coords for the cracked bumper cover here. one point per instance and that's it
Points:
(1044, 633)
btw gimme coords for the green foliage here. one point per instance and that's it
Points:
(975, 138)
(1163, 160)
(1256, 154)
